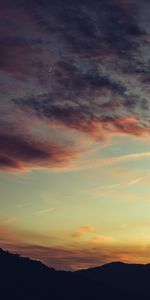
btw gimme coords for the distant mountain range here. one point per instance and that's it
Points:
(25, 279)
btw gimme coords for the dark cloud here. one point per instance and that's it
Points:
(8, 163)
(83, 65)
(16, 152)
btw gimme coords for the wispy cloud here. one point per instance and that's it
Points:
(114, 160)
(23, 205)
(137, 180)
(108, 189)
(44, 211)
(82, 231)
(12, 220)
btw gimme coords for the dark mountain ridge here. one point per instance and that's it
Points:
(26, 279)
(132, 278)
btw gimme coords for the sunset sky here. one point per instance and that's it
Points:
(75, 131)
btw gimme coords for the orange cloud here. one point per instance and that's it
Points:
(19, 153)
(83, 230)
(103, 129)
(102, 239)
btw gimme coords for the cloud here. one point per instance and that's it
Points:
(21, 154)
(98, 87)
(44, 211)
(137, 180)
(12, 220)
(69, 258)
(109, 189)
(114, 160)
(24, 205)
(102, 239)
(82, 231)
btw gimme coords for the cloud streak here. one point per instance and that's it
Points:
(44, 211)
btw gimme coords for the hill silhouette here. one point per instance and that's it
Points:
(131, 278)
(26, 279)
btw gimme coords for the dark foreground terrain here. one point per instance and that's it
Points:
(25, 279)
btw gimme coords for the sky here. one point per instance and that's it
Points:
(75, 131)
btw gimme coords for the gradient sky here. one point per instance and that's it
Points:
(75, 131)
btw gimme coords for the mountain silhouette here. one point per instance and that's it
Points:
(25, 279)
(132, 278)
